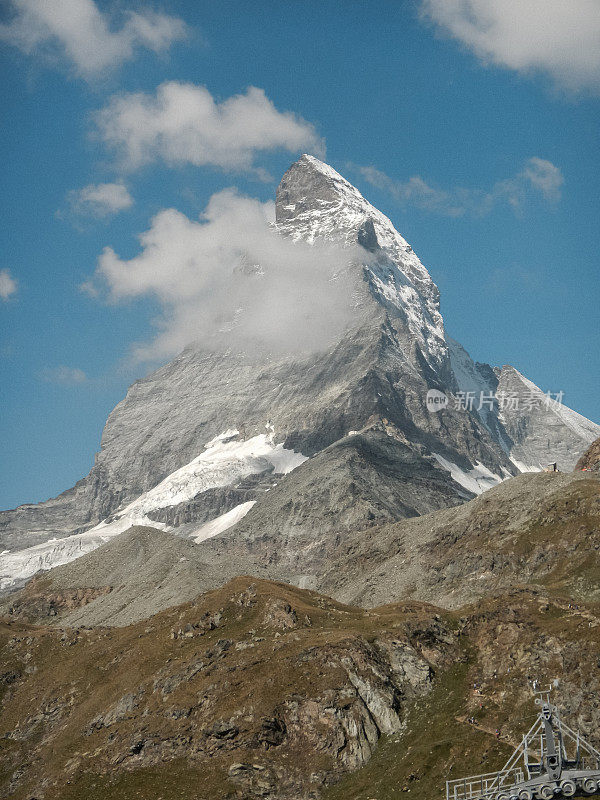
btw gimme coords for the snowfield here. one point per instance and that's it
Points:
(476, 480)
(224, 462)
(220, 524)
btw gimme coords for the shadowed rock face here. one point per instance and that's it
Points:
(538, 529)
(367, 237)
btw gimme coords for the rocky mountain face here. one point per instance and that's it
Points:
(537, 529)
(119, 680)
(542, 430)
(213, 688)
(212, 436)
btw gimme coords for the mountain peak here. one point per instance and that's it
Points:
(311, 185)
(315, 203)
(316, 165)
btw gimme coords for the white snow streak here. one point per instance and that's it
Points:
(222, 523)
(525, 467)
(225, 460)
(19, 566)
(476, 480)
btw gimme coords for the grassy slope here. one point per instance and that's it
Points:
(67, 680)
(439, 743)
(499, 642)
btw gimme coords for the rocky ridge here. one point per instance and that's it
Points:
(264, 690)
(590, 460)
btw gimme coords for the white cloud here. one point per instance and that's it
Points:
(78, 31)
(100, 199)
(414, 191)
(65, 376)
(557, 37)
(545, 176)
(230, 279)
(537, 176)
(8, 285)
(183, 124)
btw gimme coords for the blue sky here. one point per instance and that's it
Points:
(434, 113)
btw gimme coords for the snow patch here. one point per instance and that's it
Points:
(525, 467)
(222, 523)
(225, 460)
(476, 480)
(17, 567)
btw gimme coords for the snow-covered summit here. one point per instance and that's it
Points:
(315, 203)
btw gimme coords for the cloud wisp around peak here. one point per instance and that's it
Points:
(230, 279)
(91, 41)
(182, 123)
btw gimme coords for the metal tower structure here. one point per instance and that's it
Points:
(540, 767)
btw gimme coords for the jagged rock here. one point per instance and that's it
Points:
(292, 716)
(354, 694)
(119, 712)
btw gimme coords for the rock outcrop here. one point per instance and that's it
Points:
(590, 460)
(215, 685)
